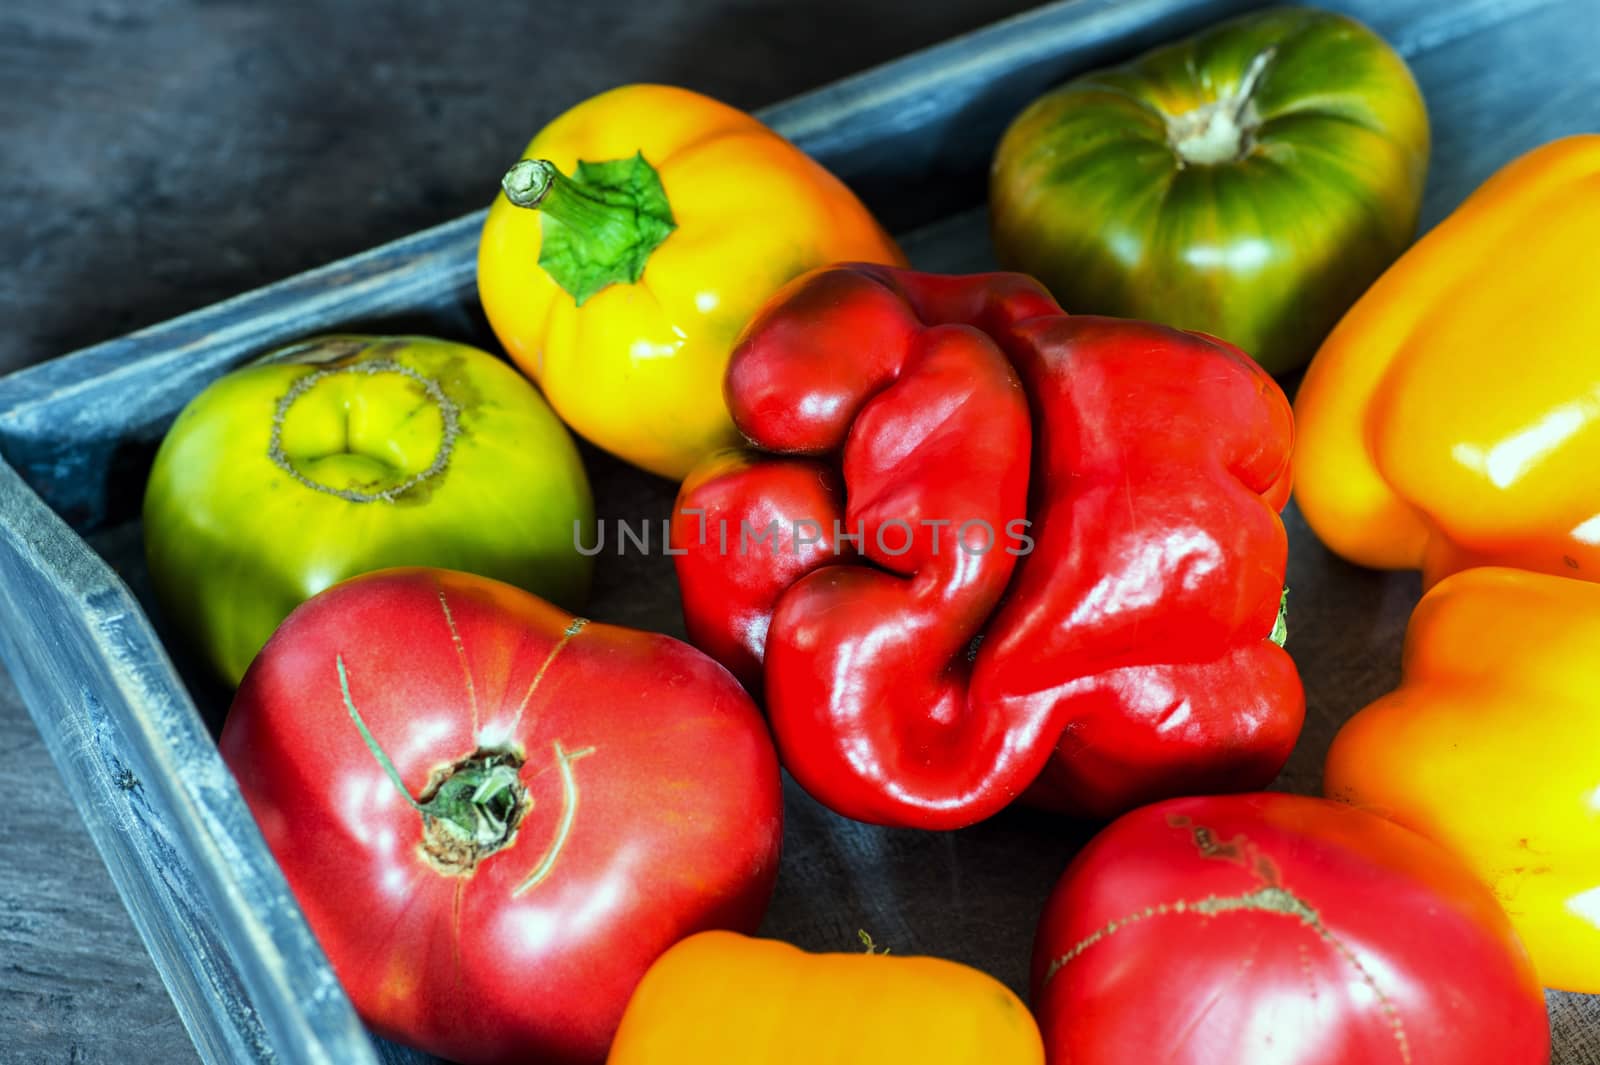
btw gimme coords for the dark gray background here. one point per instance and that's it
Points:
(158, 156)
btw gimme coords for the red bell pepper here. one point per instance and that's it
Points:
(993, 547)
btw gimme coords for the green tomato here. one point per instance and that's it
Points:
(347, 454)
(1250, 182)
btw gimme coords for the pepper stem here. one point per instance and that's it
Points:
(537, 185)
(866, 941)
(1280, 628)
(527, 181)
(599, 226)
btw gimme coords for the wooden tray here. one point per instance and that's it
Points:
(130, 722)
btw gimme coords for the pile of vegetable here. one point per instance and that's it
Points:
(945, 544)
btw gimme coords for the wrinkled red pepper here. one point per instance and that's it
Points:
(1111, 646)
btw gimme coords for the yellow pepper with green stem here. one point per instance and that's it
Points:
(642, 230)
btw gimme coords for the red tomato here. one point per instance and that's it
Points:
(593, 795)
(1279, 930)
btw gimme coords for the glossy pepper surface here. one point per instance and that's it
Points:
(1275, 929)
(1489, 747)
(1453, 417)
(721, 997)
(1250, 181)
(661, 221)
(990, 546)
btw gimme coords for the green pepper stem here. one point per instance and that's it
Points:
(599, 226)
(537, 185)
(866, 941)
(1280, 627)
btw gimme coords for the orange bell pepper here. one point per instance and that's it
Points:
(719, 997)
(649, 224)
(1489, 746)
(1452, 418)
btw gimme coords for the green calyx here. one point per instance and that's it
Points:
(480, 802)
(472, 808)
(600, 225)
(1280, 628)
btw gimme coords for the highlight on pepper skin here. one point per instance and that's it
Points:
(1133, 654)
(1492, 755)
(1450, 420)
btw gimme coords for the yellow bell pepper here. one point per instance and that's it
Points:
(649, 224)
(719, 998)
(1491, 747)
(1452, 418)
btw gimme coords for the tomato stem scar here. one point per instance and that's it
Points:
(470, 809)
(1222, 130)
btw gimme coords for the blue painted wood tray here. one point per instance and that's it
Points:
(130, 722)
